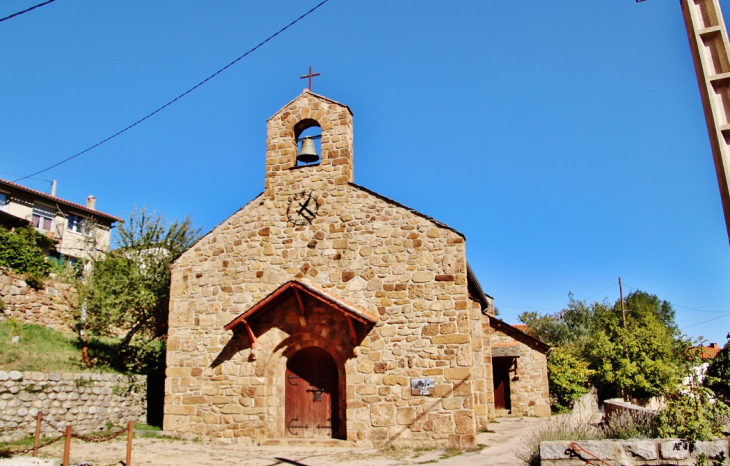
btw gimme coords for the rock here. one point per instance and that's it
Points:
(674, 449)
(644, 449)
(710, 449)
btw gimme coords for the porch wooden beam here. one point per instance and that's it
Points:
(254, 343)
(299, 299)
(352, 330)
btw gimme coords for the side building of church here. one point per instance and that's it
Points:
(324, 310)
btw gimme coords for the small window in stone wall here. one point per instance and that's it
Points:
(308, 136)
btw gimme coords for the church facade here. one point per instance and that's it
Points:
(324, 310)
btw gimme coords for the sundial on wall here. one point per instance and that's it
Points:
(303, 208)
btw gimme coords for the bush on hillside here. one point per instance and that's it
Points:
(21, 250)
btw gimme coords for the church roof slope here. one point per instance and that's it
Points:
(413, 211)
(320, 97)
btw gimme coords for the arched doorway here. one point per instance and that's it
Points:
(312, 394)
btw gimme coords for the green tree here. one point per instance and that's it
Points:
(127, 294)
(641, 359)
(22, 251)
(568, 377)
(717, 377)
(571, 326)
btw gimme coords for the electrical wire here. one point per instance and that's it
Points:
(683, 307)
(37, 179)
(176, 98)
(26, 11)
(704, 322)
(605, 289)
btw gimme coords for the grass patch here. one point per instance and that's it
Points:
(451, 452)
(20, 444)
(43, 349)
(143, 426)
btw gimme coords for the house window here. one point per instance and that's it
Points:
(43, 217)
(75, 223)
(3, 202)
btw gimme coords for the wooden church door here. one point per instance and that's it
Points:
(312, 389)
(501, 367)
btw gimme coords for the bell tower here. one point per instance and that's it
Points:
(286, 175)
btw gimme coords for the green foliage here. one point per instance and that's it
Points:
(642, 358)
(571, 326)
(693, 413)
(128, 292)
(22, 251)
(65, 271)
(717, 377)
(568, 376)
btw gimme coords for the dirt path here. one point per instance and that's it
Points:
(500, 445)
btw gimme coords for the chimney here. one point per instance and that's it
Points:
(90, 202)
(713, 345)
(53, 188)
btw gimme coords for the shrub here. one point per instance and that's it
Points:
(568, 376)
(627, 425)
(22, 251)
(560, 428)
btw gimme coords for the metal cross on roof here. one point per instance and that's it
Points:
(310, 76)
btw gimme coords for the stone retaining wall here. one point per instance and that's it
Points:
(86, 401)
(631, 452)
(51, 306)
(615, 406)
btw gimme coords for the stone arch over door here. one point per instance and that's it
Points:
(276, 372)
(312, 390)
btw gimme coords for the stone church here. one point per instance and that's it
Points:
(322, 309)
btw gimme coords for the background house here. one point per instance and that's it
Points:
(78, 230)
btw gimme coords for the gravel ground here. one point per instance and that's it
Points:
(498, 447)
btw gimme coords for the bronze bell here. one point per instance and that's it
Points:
(308, 154)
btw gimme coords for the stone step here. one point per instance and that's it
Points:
(305, 442)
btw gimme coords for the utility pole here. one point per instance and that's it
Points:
(621, 293)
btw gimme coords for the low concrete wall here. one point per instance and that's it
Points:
(629, 452)
(86, 401)
(52, 306)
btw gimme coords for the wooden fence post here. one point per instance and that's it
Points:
(37, 437)
(130, 434)
(67, 445)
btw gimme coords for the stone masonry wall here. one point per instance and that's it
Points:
(378, 255)
(86, 401)
(633, 452)
(51, 306)
(529, 390)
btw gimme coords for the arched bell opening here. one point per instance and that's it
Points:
(308, 136)
(312, 391)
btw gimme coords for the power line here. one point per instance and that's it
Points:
(15, 174)
(605, 289)
(178, 97)
(26, 11)
(697, 310)
(684, 307)
(704, 322)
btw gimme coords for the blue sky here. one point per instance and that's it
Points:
(566, 140)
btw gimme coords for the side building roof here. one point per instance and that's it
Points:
(58, 200)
